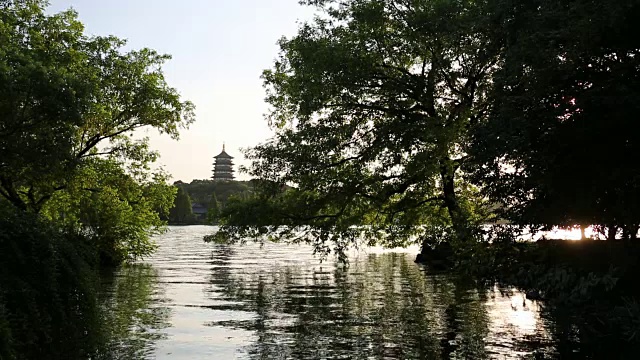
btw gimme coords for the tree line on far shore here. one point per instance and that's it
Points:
(200, 201)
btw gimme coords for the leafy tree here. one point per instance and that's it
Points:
(560, 147)
(66, 98)
(181, 211)
(116, 210)
(69, 105)
(213, 210)
(373, 103)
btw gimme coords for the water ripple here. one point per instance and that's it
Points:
(202, 301)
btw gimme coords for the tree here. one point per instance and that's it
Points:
(559, 148)
(213, 209)
(181, 211)
(66, 98)
(372, 104)
(115, 210)
(69, 107)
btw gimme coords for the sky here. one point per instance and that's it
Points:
(219, 49)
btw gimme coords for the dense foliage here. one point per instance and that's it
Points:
(559, 147)
(69, 105)
(373, 104)
(47, 290)
(200, 191)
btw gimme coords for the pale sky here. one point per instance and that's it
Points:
(219, 49)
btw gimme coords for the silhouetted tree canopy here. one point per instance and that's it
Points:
(560, 146)
(388, 112)
(373, 104)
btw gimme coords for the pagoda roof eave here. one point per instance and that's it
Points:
(223, 154)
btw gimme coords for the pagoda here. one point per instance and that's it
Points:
(223, 167)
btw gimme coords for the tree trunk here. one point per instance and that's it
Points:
(582, 235)
(611, 232)
(11, 194)
(458, 219)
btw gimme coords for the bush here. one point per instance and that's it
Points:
(47, 300)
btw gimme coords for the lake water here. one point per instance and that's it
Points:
(193, 300)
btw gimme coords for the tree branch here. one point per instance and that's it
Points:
(96, 139)
(11, 194)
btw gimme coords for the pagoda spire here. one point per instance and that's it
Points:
(223, 166)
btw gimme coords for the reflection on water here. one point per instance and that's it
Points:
(134, 316)
(198, 301)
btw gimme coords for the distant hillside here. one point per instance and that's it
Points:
(200, 196)
(200, 190)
